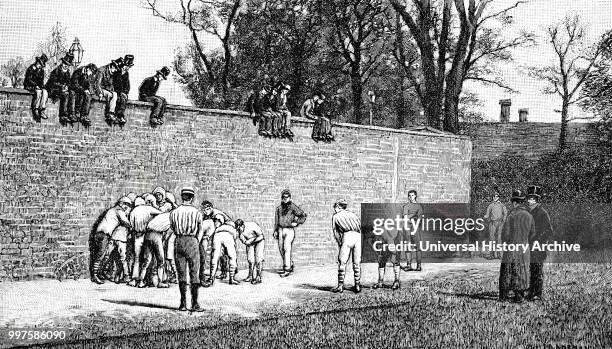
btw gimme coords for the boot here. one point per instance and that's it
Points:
(195, 306)
(396, 285)
(357, 287)
(250, 277)
(418, 267)
(257, 280)
(285, 273)
(232, 281)
(378, 284)
(35, 115)
(209, 282)
(408, 267)
(183, 289)
(339, 288)
(94, 276)
(42, 114)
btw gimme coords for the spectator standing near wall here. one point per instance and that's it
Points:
(496, 215)
(288, 217)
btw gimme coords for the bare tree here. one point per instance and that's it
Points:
(574, 63)
(455, 44)
(14, 69)
(357, 37)
(55, 46)
(215, 17)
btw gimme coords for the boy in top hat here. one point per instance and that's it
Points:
(106, 91)
(543, 231)
(121, 83)
(35, 83)
(147, 92)
(57, 85)
(518, 229)
(80, 90)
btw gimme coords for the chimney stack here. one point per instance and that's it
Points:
(504, 117)
(523, 113)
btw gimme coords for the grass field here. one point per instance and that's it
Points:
(453, 310)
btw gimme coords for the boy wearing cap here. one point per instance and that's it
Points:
(121, 84)
(412, 210)
(106, 91)
(347, 231)
(57, 85)
(34, 82)
(518, 229)
(81, 93)
(187, 224)
(288, 216)
(147, 92)
(252, 237)
(543, 232)
(112, 219)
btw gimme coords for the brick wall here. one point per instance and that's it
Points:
(55, 181)
(530, 139)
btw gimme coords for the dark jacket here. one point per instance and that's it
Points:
(121, 82)
(254, 103)
(543, 229)
(519, 228)
(148, 88)
(104, 80)
(58, 79)
(285, 215)
(79, 81)
(34, 78)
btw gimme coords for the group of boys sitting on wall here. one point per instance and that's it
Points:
(268, 107)
(74, 91)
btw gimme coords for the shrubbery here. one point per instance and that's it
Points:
(577, 184)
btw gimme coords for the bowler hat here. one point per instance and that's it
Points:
(68, 58)
(119, 62)
(92, 67)
(285, 192)
(164, 72)
(128, 60)
(42, 59)
(535, 191)
(518, 195)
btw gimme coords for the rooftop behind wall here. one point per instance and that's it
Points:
(55, 181)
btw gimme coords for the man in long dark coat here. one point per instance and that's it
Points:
(81, 92)
(147, 92)
(121, 83)
(544, 230)
(518, 229)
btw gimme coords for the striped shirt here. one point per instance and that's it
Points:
(140, 217)
(114, 217)
(345, 221)
(186, 220)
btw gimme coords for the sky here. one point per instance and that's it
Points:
(112, 28)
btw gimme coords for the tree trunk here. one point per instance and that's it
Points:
(226, 69)
(400, 121)
(357, 89)
(451, 105)
(564, 122)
